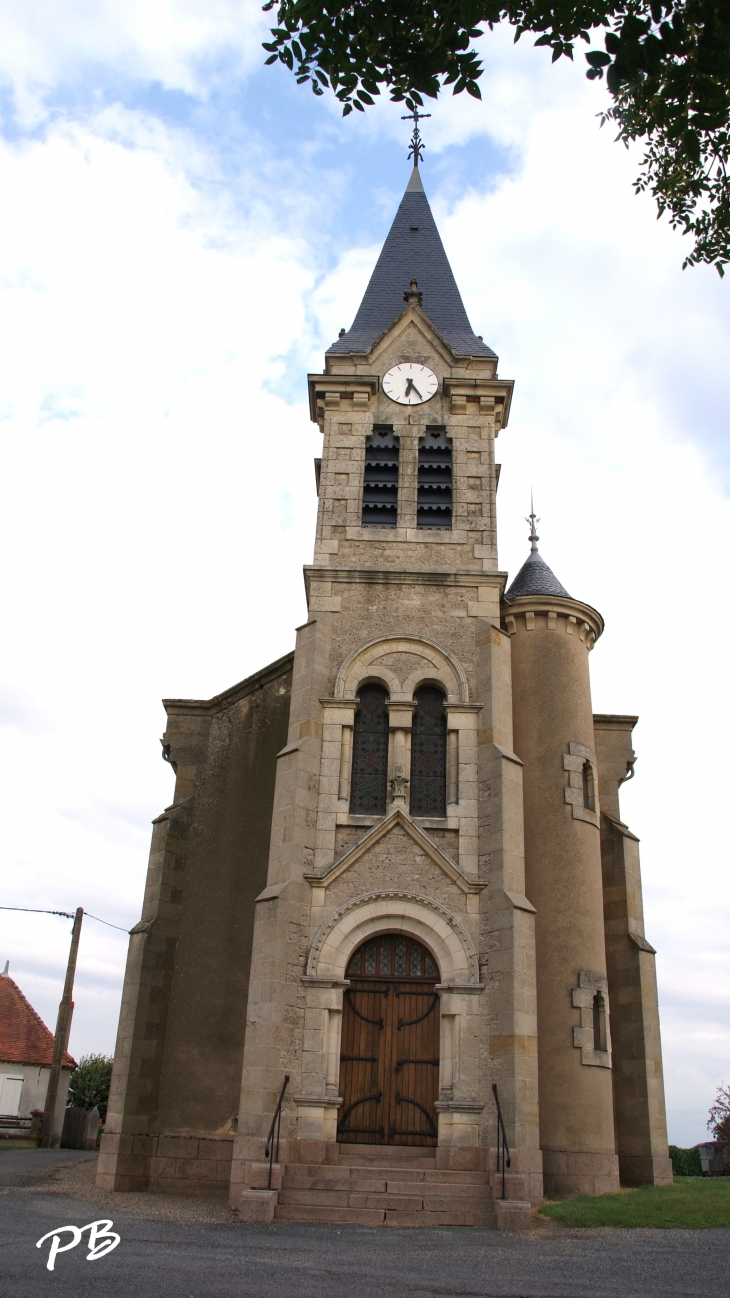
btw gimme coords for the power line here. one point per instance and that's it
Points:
(105, 921)
(34, 910)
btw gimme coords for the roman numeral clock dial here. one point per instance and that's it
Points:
(410, 385)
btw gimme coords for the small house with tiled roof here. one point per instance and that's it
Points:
(26, 1053)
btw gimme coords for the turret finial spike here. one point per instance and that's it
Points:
(532, 520)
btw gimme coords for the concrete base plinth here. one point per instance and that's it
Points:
(165, 1164)
(523, 1180)
(261, 1177)
(513, 1214)
(568, 1172)
(255, 1205)
(640, 1169)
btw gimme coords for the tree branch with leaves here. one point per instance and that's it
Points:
(719, 1119)
(666, 64)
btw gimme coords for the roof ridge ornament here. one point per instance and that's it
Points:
(417, 146)
(532, 520)
(413, 295)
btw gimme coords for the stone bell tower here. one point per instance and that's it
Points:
(393, 890)
(404, 616)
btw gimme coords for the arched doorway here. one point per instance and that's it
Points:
(389, 1061)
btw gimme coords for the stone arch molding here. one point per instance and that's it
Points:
(377, 912)
(431, 662)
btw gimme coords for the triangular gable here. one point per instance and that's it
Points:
(398, 817)
(412, 315)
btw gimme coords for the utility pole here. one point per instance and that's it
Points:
(63, 1030)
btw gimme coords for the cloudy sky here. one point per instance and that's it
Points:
(182, 233)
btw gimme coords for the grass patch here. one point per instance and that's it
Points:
(692, 1203)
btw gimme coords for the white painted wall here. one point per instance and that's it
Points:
(33, 1090)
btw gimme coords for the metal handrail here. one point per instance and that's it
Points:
(503, 1154)
(275, 1123)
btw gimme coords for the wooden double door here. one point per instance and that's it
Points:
(389, 1060)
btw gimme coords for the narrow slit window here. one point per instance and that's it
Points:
(600, 1041)
(589, 787)
(370, 753)
(428, 754)
(435, 480)
(380, 483)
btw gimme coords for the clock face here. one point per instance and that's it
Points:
(410, 384)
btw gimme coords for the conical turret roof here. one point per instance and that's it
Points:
(412, 250)
(535, 578)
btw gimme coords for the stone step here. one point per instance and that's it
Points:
(331, 1216)
(364, 1155)
(429, 1202)
(339, 1179)
(384, 1185)
(453, 1216)
(434, 1185)
(335, 1199)
(318, 1176)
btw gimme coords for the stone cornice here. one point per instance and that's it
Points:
(340, 385)
(488, 391)
(404, 577)
(234, 694)
(576, 613)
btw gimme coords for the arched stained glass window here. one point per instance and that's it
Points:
(370, 753)
(428, 754)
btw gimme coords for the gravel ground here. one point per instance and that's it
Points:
(178, 1255)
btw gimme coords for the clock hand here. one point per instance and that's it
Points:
(411, 387)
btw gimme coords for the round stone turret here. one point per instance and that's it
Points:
(552, 635)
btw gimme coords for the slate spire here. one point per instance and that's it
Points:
(534, 577)
(412, 250)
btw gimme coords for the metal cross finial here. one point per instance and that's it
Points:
(417, 145)
(532, 520)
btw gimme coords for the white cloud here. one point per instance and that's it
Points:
(161, 504)
(176, 43)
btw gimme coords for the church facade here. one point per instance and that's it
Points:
(394, 871)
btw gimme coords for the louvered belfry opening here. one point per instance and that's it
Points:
(389, 1061)
(428, 754)
(435, 480)
(370, 753)
(380, 484)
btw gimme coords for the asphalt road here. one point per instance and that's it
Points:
(162, 1259)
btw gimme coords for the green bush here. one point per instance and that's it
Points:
(685, 1162)
(89, 1083)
